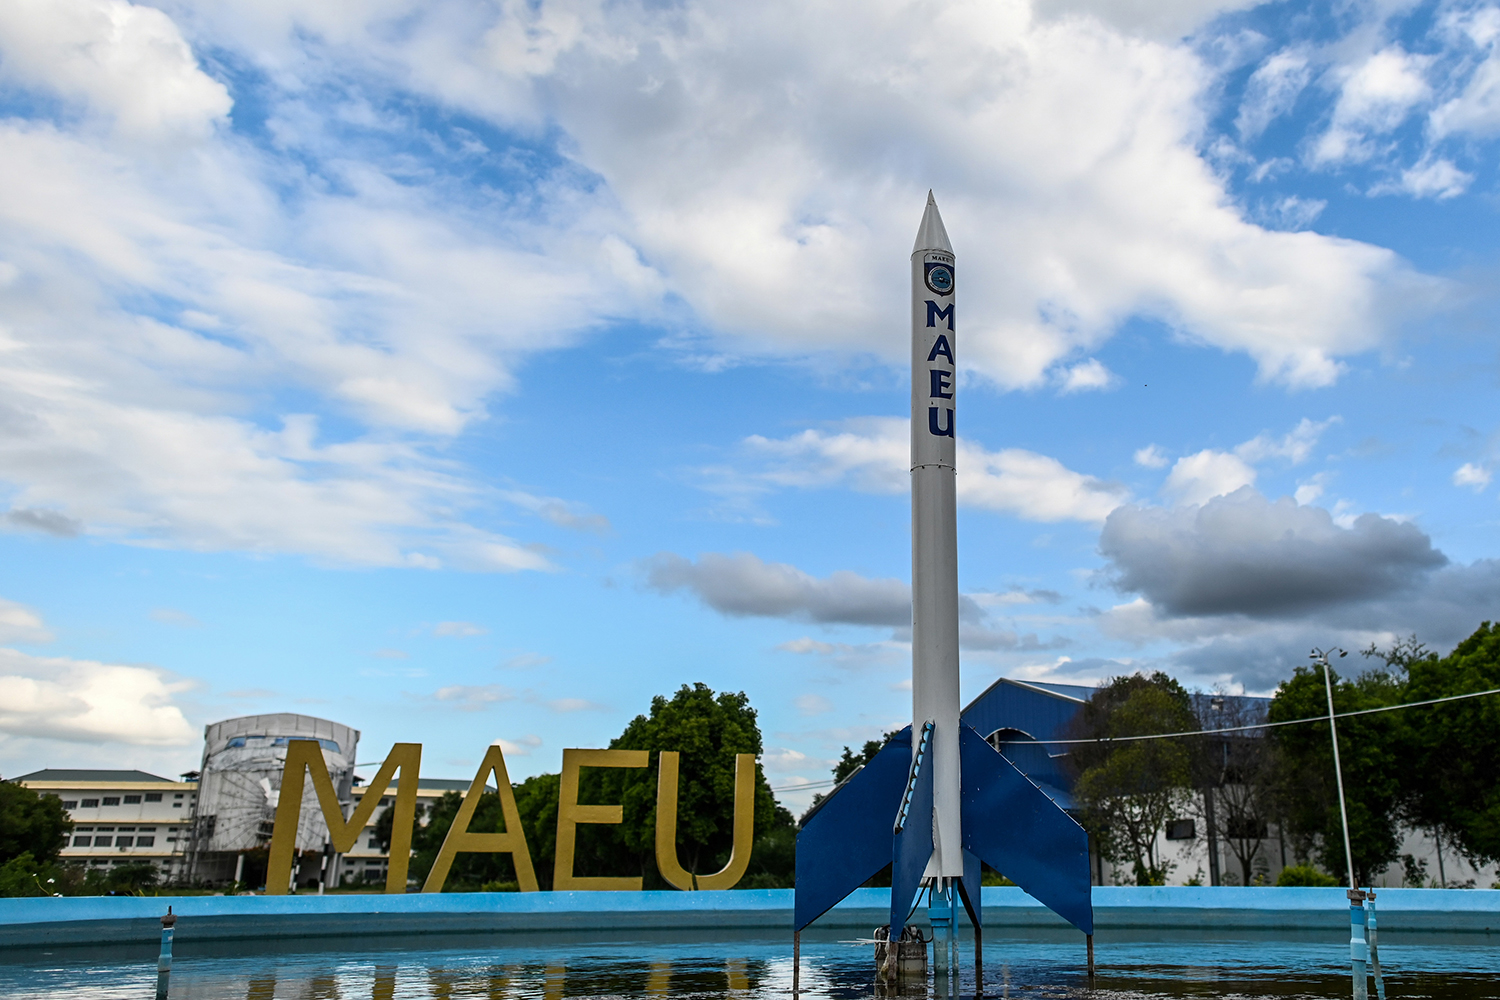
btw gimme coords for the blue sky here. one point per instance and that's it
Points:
(472, 371)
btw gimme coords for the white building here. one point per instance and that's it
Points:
(122, 817)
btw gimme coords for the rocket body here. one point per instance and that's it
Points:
(934, 530)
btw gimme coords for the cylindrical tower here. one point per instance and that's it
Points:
(243, 760)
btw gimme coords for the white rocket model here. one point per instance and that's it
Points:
(934, 532)
(1002, 818)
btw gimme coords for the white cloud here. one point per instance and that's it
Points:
(458, 629)
(1295, 446)
(1311, 490)
(525, 661)
(782, 161)
(126, 63)
(1086, 375)
(1477, 109)
(1151, 457)
(520, 747)
(852, 656)
(874, 454)
(86, 701)
(812, 704)
(174, 616)
(743, 584)
(1374, 98)
(1271, 92)
(1291, 212)
(19, 623)
(1431, 178)
(1196, 478)
(473, 697)
(1474, 476)
(563, 513)
(574, 705)
(1167, 20)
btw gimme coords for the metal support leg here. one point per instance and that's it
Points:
(1374, 947)
(940, 915)
(796, 961)
(976, 919)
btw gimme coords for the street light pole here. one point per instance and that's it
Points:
(1358, 949)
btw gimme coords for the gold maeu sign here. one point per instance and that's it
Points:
(306, 757)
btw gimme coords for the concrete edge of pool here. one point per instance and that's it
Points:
(99, 920)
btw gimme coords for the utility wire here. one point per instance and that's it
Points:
(1268, 725)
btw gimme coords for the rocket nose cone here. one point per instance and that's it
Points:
(931, 234)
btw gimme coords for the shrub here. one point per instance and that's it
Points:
(1305, 875)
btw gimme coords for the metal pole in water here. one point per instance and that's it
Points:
(796, 960)
(1374, 951)
(1358, 951)
(164, 960)
(1090, 939)
(944, 944)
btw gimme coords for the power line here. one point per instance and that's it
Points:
(809, 784)
(1269, 725)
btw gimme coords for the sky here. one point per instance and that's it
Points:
(475, 370)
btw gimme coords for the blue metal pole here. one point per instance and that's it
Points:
(164, 960)
(1359, 951)
(940, 914)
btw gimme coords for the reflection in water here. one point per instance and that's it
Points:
(385, 983)
(1036, 968)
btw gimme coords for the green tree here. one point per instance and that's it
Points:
(1305, 786)
(1129, 791)
(1450, 781)
(31, 824)
(536, 801)
(707, 729)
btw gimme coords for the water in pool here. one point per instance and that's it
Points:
(735, 967)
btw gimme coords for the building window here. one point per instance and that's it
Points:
(1181, 829)
(124, 841)
(132, 800)
(177, 796)
(102, 841)
(374, 842)
(176, 805)
(111, 800)
(106, 829)
(153, 796)
(145, 829)
(81, 841)
(145, 842)
(89, 804)
(70, 803)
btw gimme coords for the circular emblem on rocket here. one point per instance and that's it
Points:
(939, 278)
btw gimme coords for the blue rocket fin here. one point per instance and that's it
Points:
(847, 839)
(973, 879)
(1016, 829)
(913, 832)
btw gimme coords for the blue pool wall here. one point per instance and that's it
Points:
(84, 920)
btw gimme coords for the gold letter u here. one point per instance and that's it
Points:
(666, 826)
